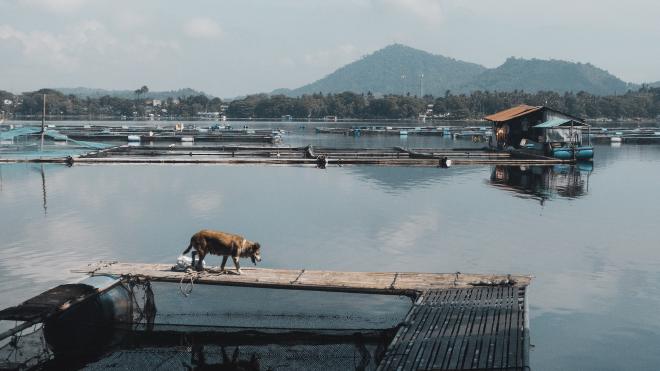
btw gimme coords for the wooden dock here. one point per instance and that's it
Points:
(457, 321)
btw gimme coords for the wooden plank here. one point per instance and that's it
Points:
(393, 283)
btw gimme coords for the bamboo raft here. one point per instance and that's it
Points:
(457, 321)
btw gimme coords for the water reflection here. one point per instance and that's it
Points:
(543, 182)
(395, 180)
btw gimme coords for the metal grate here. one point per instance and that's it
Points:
(462, 329)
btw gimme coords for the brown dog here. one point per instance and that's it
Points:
(221, 243)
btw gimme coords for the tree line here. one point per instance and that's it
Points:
(643, 103)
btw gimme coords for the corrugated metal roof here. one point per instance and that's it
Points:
(512, 113)
(556, 122)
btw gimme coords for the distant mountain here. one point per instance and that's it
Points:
(532, 75)
(97, 93)
(395, 69)
(655, 84)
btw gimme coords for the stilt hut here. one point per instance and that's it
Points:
(541, 129)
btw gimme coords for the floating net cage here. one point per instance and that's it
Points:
(26, 143)
(216, 327)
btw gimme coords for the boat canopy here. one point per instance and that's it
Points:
(556, 122)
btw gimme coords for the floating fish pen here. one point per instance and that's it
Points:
(449, 131)
(626, 135)
(152, 134)
(308, 155)
(119, 315)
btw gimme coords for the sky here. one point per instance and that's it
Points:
(229, 48)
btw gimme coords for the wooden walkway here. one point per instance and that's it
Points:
(389, 283)
(457, 322)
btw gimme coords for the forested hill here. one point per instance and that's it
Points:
(534, 75)
(83, 92)
(395, 69)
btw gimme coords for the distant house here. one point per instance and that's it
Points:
(7, 102)
(157, 102)
(538, 127)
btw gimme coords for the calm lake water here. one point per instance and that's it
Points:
(589, 235)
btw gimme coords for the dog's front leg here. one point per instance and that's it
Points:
(224, 262)
(236, 264)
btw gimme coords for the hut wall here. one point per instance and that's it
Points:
(516, 130)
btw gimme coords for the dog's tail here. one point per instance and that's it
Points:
(188, 249)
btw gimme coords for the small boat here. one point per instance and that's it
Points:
(615, 139)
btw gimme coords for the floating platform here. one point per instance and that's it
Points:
(308, 155)
(154, 134)
(457, 321)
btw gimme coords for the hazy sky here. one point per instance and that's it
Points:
(229, 48)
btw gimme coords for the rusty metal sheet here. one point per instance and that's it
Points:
(512, 113)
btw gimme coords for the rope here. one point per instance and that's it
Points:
(188, 288)
(396, 275)
(297, 278)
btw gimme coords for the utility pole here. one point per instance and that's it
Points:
(421, 85)
(43, 123)
(43, 117)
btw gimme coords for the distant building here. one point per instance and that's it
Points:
(7, 102)
(208, 115)
(156, 103)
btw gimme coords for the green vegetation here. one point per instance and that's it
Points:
(397, 69)
(71, 106)
(98, 93)
(553, 75)
(642, 103)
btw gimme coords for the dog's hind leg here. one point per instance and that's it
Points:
(236, 264)
(224, 262)
(200, 266)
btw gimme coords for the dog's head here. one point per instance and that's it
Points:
(256, 253)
